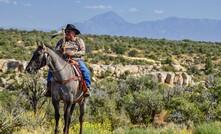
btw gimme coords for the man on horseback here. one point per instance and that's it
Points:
(72, 48)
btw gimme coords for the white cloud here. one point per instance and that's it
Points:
(99, 7)
(8, 2)
(158, 11)
(133, 10)
(4, 1)
(15, 3)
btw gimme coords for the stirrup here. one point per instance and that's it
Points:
(87, 93)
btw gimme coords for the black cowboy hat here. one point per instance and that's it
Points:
(73, 28)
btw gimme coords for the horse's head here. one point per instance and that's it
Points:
(38, 60)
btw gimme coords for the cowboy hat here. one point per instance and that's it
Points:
(73, 28)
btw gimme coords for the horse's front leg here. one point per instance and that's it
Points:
(82, 111)
(72, 109)
(67, 110)
(57, 115)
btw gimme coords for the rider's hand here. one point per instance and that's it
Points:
(62, 50)
(67, 55)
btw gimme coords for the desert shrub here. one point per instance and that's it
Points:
(10, 121)
(104, 74)
(208, 128)
(168, 60)
(169, 69)
(193, 70)
(184, 110)
(152, 56)
(208, 66)
(133, 53)
(125, 75)
(119, 49)
(140, 105)
(103, 104)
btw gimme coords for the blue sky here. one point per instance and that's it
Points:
(51, 14)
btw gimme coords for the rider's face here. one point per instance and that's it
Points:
(69, 34)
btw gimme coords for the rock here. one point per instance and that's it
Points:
(186, 79)
(170, 78)
(178, 79)
(6, 64)
(2, 82)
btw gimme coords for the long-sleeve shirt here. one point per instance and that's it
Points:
(75, 47)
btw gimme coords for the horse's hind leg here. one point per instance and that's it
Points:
(57, 115)
(82, 111)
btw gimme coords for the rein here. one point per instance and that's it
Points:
(75, 78)
(59, 69)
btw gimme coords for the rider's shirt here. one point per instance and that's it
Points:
(75, 48)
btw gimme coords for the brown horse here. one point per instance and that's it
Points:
(64, 86)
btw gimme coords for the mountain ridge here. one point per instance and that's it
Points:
(173, 28)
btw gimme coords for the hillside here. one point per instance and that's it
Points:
(196, 59)
(182, 55)
(126, 96)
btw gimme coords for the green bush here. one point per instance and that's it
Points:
(133, 53)
(10, 120)
(141, 104)
(208, 128)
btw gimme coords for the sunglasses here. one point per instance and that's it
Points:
(69, 31)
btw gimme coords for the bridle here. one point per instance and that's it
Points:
(46, 55)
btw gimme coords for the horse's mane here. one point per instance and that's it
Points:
(56, 51)
(49, 47)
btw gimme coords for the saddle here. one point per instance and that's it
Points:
(82, 83)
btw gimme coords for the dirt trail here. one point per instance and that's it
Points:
(133, 58)
(127, 57)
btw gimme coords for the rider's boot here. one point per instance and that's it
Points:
(87, 93)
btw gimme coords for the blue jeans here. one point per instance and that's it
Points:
(84, 70)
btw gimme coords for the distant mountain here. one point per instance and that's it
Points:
(170, 28)
(107, 23)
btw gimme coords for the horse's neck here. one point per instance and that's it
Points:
(59, 67)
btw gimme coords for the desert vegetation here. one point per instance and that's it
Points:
(125, 105)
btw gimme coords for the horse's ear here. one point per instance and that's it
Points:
(38, 44)
(41, 45)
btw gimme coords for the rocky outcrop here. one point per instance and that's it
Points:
(6, 64)
(11, 71)
(170, 78)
